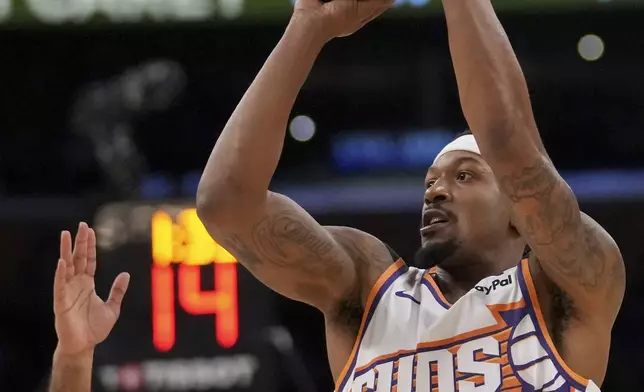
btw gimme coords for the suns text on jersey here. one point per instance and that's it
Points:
(467, 367)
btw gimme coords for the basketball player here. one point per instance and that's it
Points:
(484, 318)
(477, 320)
(83, 320)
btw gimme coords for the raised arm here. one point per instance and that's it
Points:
(272, 236)
(82, 319)
(573, 250)
(71, 373)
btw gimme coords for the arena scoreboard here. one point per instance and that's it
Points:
(193, 318)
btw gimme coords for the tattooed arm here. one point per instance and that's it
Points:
(275, 238)
(286, 249)
(574, 251)
(82, 319)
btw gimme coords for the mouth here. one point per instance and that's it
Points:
(433, 219)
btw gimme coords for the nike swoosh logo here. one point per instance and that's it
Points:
(402, 294)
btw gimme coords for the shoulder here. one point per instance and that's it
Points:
(370, 255)
(597, 274)
(363, 246)
(601, 273)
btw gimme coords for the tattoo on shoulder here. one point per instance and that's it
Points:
(364, 249)
(370, 257)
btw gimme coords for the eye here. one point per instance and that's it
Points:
(464, 176)
(430, 183)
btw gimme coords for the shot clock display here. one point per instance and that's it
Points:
(188, 243)
(193, 319)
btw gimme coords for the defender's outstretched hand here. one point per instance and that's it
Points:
(83, 320)
(342, 18)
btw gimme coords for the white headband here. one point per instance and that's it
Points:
(463, 143)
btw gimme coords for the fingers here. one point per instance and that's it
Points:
(91, 253)
(366, 10)
(80, 248)
(382, 6)
(118, 292)
(59, 286)
(371, 17)
(66, 252)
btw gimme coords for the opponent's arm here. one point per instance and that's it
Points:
(71, 373)
(82, 319)
(268, 233)
(573, 250)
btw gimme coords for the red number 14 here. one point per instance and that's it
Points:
(188, 245)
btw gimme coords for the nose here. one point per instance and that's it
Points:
(437, 193)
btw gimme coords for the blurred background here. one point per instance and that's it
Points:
(108, 112)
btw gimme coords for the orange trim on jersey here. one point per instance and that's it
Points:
(500, 326)
(466, 336)
(532, 292)
(372, 295)
(431, 281)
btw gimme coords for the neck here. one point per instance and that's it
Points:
(456, 280)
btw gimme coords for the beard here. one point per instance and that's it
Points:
(435, 254)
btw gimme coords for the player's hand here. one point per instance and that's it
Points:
(342, 18)
(83, 320)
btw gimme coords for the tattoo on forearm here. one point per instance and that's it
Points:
(364, 253)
